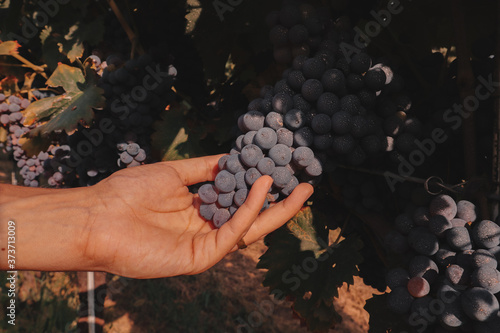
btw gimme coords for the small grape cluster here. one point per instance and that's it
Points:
(11, 118)
(452, 277)
(56, 169)
(131, 154)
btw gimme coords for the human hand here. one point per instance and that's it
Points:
(148, 224)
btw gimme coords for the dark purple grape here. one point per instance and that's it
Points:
(251, 155)
(312, 90)
(274, 120)
(423, 241)
(328, 103)
(265, 138)
(313, 68)
(443, 205)
(466, 210)
(266, 166)
(253, 120)
(280, 154)
(281, 176)
(458, 238)
(207, 211)
(240, 196)
(479, 304)
(486, 277)
(294, 119)
(321, 124)
(208, 193)
(486, 234)
(225, 181)
(220, 217)
(225, 199)
(418, 287)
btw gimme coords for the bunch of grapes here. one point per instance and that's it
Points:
(326, 109)
(131, 154)
(11, 118)
(452, 277)
(136, 92)
(265, 148)
(56, 170)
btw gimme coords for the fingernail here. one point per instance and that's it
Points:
(311, 191)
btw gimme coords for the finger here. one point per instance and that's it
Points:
(233, 230)
(196, 170)
(274, 217)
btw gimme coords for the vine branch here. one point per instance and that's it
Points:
(132, 36)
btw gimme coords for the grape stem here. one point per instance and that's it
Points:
(132, 36)
(433, 180)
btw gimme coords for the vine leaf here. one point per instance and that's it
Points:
(381, 319)
(35, 145)
(66, 111)
(9, 47)
(302, 266)
(173, 138)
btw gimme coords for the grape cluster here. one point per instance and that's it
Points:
(136, 92)
(11, 118)
(56, 169)
(454, 264)
(264, 148)
(328, 108)
(131, 154)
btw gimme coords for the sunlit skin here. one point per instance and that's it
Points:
(140, 222)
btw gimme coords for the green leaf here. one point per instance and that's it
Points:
(79, 110)
(67, 77)
(381, 319)
(8, 48)
(302, 266)
(75, 106)
(173, 138)
(43, 109)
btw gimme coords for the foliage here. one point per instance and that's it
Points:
(303, 267)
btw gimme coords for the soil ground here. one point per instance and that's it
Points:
(240, 286)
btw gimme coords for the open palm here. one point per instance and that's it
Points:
(149, 225)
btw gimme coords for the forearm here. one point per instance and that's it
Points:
(51, 228)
